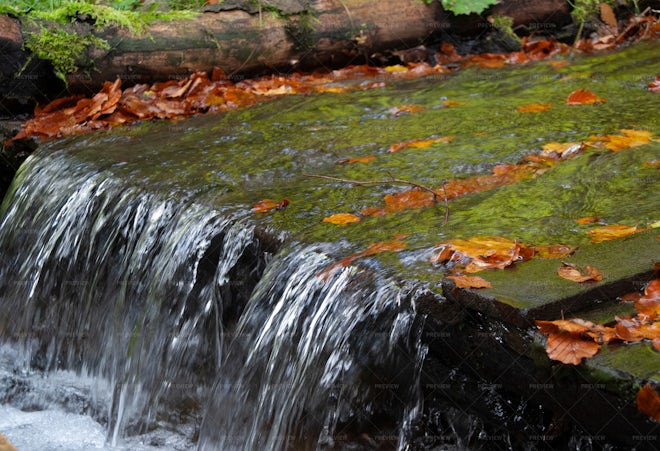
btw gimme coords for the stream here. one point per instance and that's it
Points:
(144, 305)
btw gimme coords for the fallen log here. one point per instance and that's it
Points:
(247, 38)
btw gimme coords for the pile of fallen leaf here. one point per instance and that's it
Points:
(215, 92)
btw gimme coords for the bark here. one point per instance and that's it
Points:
(246, 40)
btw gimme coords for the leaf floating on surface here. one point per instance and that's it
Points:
(654, 86)
(470, 282)
(552, 251)
(587, 220)
(481, 253)
(420, 143)
(571, 272)
(266, 205)
(534, 107)
(406, 109)
(628, 139)
(612, 232)
(583, 97)
(342, 218)
(648, 402)
(365, 159)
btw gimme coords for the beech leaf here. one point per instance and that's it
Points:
(570, 348)
(342, 218)
(365, 159)
(470, 282)
(266, 205)
(571, 272)
(534, 107)
(648, 402)
(611, 232)
(583, 97)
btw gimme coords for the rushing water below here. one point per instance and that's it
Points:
(143, 306)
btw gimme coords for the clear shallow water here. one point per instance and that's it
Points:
(134, 275)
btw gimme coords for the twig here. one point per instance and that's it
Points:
(390, 181)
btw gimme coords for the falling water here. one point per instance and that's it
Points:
(149, 298)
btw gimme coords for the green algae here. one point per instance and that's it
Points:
(235, 159)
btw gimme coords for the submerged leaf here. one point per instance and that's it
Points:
(534, 108)
(405, 109)
(583, 97)
(628, 139)
(470, 282)
(612, 232)
(365, 159)
(654, 86)
(420, 143)
(269, 204)
(571, 272)
(342, 218)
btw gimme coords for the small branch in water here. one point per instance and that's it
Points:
(390, 181)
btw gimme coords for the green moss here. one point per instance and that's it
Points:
(66, 51)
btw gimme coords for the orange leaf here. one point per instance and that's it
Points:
(481, 253)
(588, 220)
(607, 16)
(570, 271)
(269, 204)
(372, 249)
(583, 97)
(656, 344)
(629, 139)
(654, 86)
(611, 232)
(648, 402)
(366, 159)
(470, 282)
(570, 348)
(552, 251)
(534, 108)
(342, 218)
(561, 150)
(655, 164)
(412, 198)
(420, 143)
(405, 109)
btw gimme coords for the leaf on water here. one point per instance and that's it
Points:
(612, 232)
(583, 97)
(551, 251)
(570, 271)
(470, 282)
(648, 402)
(396, 68)
(481, 253)
(628, 139)
(342, 218)
(561, 151)
(266, 205)
(534, 107)
(420, 143)
(654, 86)
(406, 109)
(408, 199)
(395, 245)
(654, 164)
(449, 103)
(587, 220)
(366, 159)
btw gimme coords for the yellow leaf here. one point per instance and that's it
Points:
(534, 108)
(342, 218)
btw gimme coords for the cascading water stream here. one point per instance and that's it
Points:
(150, 298)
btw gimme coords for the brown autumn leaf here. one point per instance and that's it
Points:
(587, 220)
(406, 109)
(571, 272)
(608, 17)
(570, 348)
(551, 251)
(481, 253)
(612, 232)
(420, 143)
(654, 164)
(628, 139)
(408, 199)
(654, 86)
(266, 205)
(534, 107)
(562, 151)
(648, 305)
(365, 159)
(470, 282)
(342, 218)
(395, 245)
(648, 402)
(583, 97)
(656, 344)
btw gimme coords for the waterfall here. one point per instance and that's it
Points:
(173, 306)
